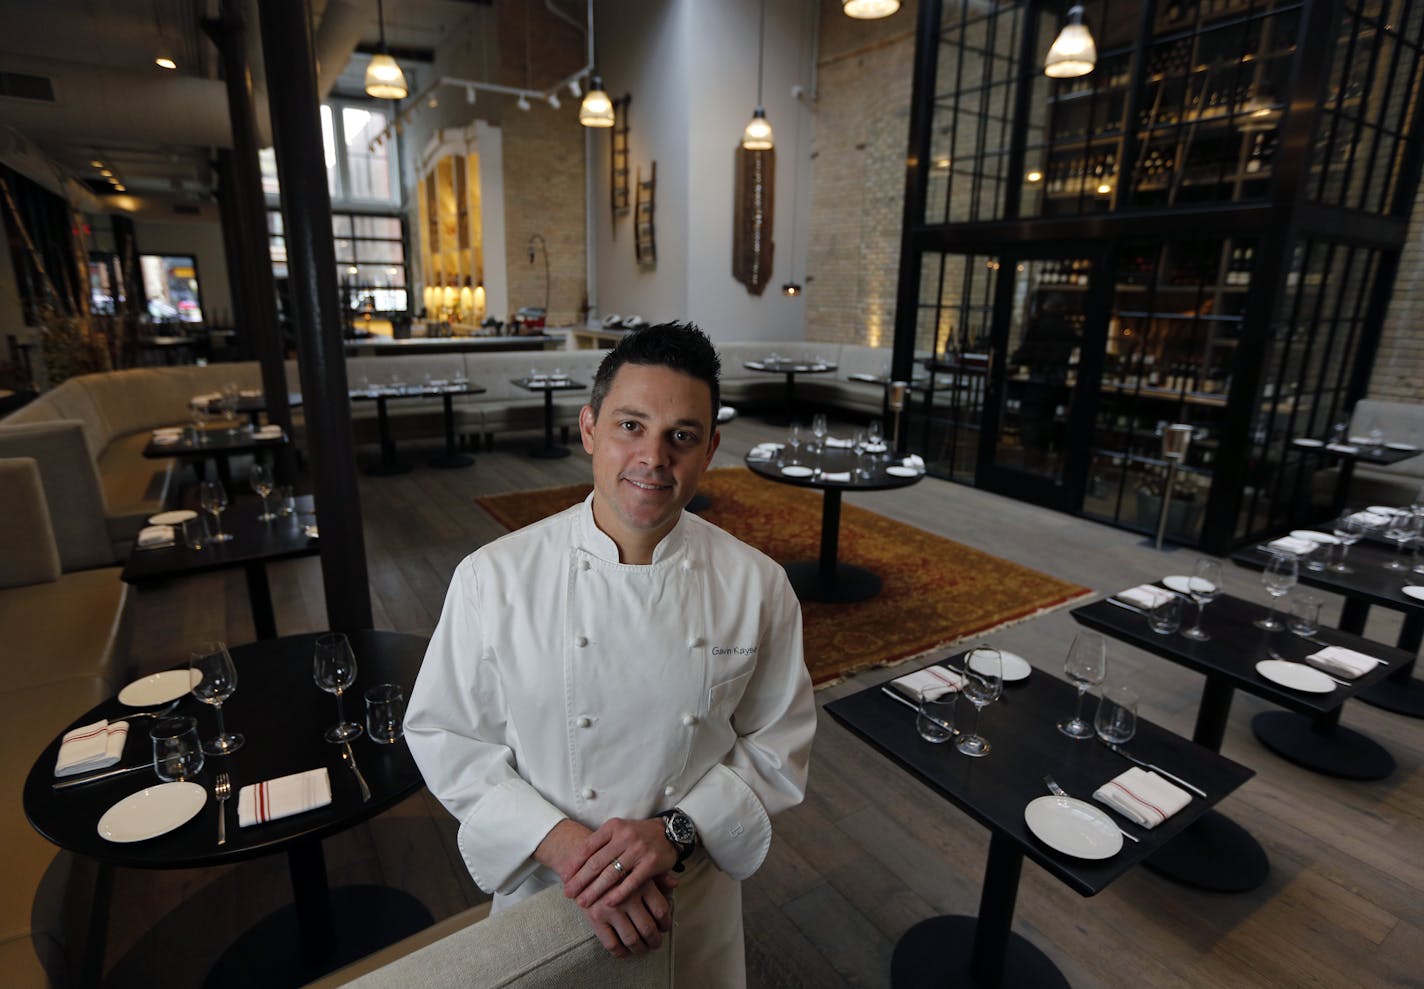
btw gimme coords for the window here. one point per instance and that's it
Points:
(170, 283)
(370, 258)
(361, 167)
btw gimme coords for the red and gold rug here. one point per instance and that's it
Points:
(937, 591)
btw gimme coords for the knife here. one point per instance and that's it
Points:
(1158, 770)
(95, 777)
(351, 761)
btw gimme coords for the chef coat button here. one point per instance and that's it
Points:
(584, 564)
(687, 564)
(696, 642)
(669, 790)
(584, 722)
(689, 720)
(580, 640)
(586, 793)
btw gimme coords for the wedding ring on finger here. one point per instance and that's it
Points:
(618, 867)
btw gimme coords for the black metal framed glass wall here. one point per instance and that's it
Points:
(1203, 230)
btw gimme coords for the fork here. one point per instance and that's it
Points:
(350, 761)
(1058, 791)
(222, 789)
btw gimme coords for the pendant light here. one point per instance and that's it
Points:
(869, 10)
(1073, 52)
(757, 135)
(384, 78)
(596, 110)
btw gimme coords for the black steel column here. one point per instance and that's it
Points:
(311, 260)
(245, 228)
(135, 305)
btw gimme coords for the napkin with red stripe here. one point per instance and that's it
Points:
(258, 803)
(930, 683)
(1142, 797)
(95, 746)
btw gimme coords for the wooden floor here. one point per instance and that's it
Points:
(871, 851)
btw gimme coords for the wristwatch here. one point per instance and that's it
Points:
(681, 832)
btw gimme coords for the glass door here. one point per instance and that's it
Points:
(1043, 379)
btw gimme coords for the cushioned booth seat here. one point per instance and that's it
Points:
(61, 629)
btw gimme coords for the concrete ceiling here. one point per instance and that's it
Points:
(156, 129)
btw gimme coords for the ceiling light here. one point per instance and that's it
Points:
(120, 187)
(575, 90)
(866, 10)
(596, 109)
(96, 163)
(164, 62)
(554, 100)
(470, 95)
(756, 136)
(384, 78)
(1034, 176)
(1073, 52)
(790, 289)
(106, 173)
(432, 102)
(1104, 188)
(522, 102)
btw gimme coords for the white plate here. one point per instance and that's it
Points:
(1073, 827)
(1315, 537)
(152, 811)
(173, 518)
(1180, 583)
(1386, 511)
(159, 688)
(797, 471)
(1309, 442)
(1413, 591)
(875, 448)
(1015, 667)
(311, 532)
(1406, 447)
(1295, 676)
(899, 471)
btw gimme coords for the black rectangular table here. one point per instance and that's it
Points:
(1368, 583)
(217, 445)
(1350, 454)
(253, 545)
(389, 464)
(550, 450)
(994, 791)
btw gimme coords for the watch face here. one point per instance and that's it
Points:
(681, 828)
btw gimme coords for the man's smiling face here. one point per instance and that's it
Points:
(651, 442)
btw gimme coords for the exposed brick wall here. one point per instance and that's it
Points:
(1399, 365)
(864, 73)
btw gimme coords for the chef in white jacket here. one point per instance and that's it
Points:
(615, 697)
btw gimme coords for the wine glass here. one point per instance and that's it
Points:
(1349, 529)
(983, 682)
(1116, 720)
(874, 433)
(212, 498)
(793, 444)
(260, 477)
(818, 430)
(1204, 587)
(215, 680)
(334, 669)
(198, 414)
(1403, 527)
(1086, 666)
(1279, 577)
(228, 405)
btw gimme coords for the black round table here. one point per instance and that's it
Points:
(789, 368)
(826, 579)
(550, 450)
(283, 714)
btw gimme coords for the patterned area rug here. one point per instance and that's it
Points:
(936, 592)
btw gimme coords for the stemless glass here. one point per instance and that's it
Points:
(935, 722)
(260, 477)
(1116, 720)
(1403, 528)
(1278, 577)
(1086, 666)
(198, 415)
(215, 683)
(1166, 618)
(1205, 586)
(1304, 618)
(874, 434)
(334, 670)
(177, 755)
(983, 682)
(212, 498)
(1349, 530)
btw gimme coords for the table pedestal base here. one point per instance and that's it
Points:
(1215, 853)
(1399, 696)
(1337, 752)
(549, 452)
(937, 952)
(450, 461)
(387, 468)
(849, 584)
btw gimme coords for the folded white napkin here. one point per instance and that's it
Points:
(875, 448)
(153, 536)
(838, 476)
(206, 399)
(89, 747)
(1145, 596)
(755, 365)
(862, 376)
(843, 444)
(258, 803)
(764, 451)
(1342, 448)
(249, 393)
(930, 683)
(1142, 797)
(166, 439)
(168, 431)
(1371, 518)
(1293, 545)
(268, 433)
(1362, 440)
(1342, 662)
(914, 460)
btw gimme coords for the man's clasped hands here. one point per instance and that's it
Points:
(628, 906)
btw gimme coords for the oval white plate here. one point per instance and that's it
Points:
(152, 811)
(1073, 827)
(1015, 666)
(159, 688)
(1308, 442)
(173, 518)
(1315, 537)
(901, 471)
(1179, 583)
(1295, 676)
(796, 471)
(1413, 591)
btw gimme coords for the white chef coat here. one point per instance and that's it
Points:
(563, 683)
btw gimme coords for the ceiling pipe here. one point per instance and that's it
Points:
(343, 24)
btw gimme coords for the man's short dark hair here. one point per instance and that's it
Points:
(679, 346)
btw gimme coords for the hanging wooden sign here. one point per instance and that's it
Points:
(752, 213)
(618, 167)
